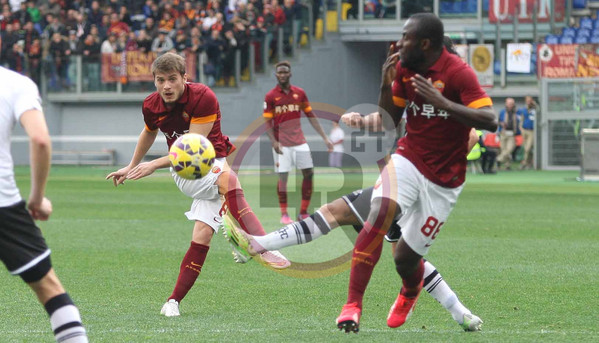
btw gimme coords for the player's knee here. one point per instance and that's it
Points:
(308, 173)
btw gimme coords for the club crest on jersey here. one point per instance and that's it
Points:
(216, 170)
(378, 183)
(295, 96)
(439, 85)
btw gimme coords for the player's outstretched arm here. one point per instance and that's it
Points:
(40, 152)
(144, 142)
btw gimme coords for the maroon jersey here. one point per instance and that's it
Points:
(197, 105)
(285, 110)
(436, 143)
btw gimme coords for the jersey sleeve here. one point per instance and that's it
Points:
(27, 97)
(150, 125)
(398, 89)
(268, 107)
(206, 110)
(471, 93)
(305, 103)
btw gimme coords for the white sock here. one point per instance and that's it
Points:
(439, 289)
(295, 233)
(65, 320)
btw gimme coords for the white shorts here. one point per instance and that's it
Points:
(293, 156)
(425, 206)
(207, 202)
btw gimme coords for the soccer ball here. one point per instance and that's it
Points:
(192, 156)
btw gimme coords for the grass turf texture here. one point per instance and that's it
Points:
(520, 250)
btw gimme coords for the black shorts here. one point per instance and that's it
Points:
(359, 202)
(23, 249)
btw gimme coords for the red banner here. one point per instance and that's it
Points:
(556, 60)
(587, 61)
(505, 10)
(135, 66)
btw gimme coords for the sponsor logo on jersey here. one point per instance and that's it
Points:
(287, 108)
(439, 85)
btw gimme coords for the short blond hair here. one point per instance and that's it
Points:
(169, 62)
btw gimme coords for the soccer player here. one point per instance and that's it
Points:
(22, 247)
(421, 182)
(282, 110)
(178, 107)
(352, 209)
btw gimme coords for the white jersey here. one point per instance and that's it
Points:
(18, 94)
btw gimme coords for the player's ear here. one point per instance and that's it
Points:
(425, 44)
(185, 77)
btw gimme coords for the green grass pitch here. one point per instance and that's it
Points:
(520, 250)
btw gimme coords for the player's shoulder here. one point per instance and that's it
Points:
(297, 89)
(15, 81)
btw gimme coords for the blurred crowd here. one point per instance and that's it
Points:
(49, 32)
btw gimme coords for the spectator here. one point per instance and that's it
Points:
(163, 43)
(6, 19)
(89, 49)
(121, 41)
(144, 42)
(8, 40)
(35, 15)
(336, 138)
(117, 26)
(131, 44)
(95, 14)
(53, 26)
(189, 12)
(215, 47)
(182, 23)
(527, 124)
(125, 16)
(150, 27)
(167, 23)
(22, 15)
(508, 130)
(196, 45)
(109, 46)
(208, 21)
(228, 61)
(82, 27)
(15, 57)
(34, 60)
(58, 54)
(181, 41)
(70, 22)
